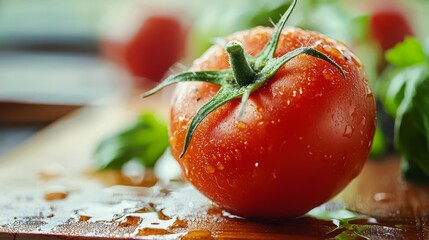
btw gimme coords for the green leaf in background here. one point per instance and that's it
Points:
(144, 141)
(406, 97)
(412, 121)
(407, 53)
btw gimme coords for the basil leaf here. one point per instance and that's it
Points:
(412, 119)
(144, 141)
(407, 53)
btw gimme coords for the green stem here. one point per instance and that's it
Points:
(241, 69)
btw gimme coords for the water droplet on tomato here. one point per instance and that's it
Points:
(300, 91)
(327, 74)
(383, 197)
(348, 131)
(363, 122)
(274, 174)
(261, 123)
(241, 125)
(288, 102)
(256, 164)
(220, 166)
(293, 93)
(333, 51)
(210, 169)
(319, 94)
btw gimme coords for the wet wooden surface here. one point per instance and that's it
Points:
(49, 191)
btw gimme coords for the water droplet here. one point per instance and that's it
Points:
(256, 164)
(261, 123)
(348, 131)
(383, 197)
(363, 122)
(220, 166)
(181, 118)
(368, 90)
(274, 175)
(300, 91)
(241, 125)
(334, 51)
(293, 93)
(210, 169)
(327, 74)
(288, 102)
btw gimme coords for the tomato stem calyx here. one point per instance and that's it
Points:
(243, 73)
(247, 74)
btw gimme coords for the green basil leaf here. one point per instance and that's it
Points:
(412, 119)
(144, 141)
(407, 53)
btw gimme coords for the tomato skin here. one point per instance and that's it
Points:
(302, 138)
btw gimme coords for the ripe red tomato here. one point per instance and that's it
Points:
(302, 138)
(157, 45)
(389, 26)
(158, 42)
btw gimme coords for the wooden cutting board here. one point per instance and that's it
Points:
(49, 190)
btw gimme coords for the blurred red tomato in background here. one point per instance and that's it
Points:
(155, 44)
(389, 26)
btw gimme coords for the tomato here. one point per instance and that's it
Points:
(157, 45)
(158, 42)
(302, 137)
(389, 26)
(298, 135)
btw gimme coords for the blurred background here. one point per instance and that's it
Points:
(58, 56)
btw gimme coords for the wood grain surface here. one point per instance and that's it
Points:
(49, 190)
